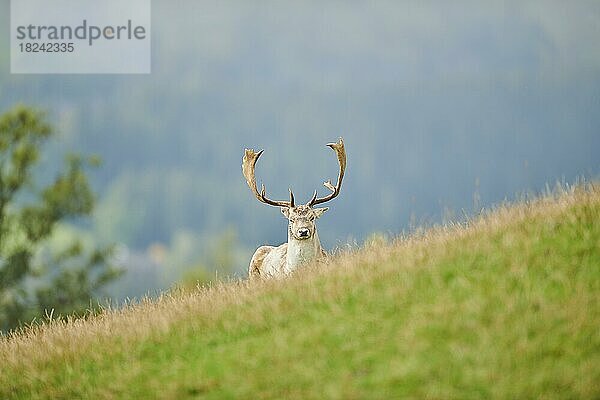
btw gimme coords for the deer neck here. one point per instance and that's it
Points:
(301, 252)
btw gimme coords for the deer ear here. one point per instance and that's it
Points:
(320, 211)
(285, 211)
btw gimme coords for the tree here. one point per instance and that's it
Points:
(33, 281)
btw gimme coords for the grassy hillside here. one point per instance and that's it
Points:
(505, 307)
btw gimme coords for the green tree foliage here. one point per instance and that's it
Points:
(33, 281)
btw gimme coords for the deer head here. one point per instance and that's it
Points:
(301, 217)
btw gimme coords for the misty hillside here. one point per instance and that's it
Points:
(505, 306)
(444, 108)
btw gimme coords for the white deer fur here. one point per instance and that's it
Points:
(270, 261)
(303, 245)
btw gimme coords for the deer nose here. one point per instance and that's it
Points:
(303, 232)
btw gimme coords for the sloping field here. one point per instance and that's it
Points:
(506, 307)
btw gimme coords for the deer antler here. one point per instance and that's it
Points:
(335, 190)
(248, 165)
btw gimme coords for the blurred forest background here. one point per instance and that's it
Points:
(444, 107)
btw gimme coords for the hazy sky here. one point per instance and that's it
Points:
(436, 100)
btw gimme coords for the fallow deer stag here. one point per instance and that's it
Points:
(303, 245)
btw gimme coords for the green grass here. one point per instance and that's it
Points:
(505, 307)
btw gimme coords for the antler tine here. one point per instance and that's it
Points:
(313, 198)
(340, 152)
(248, 167)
